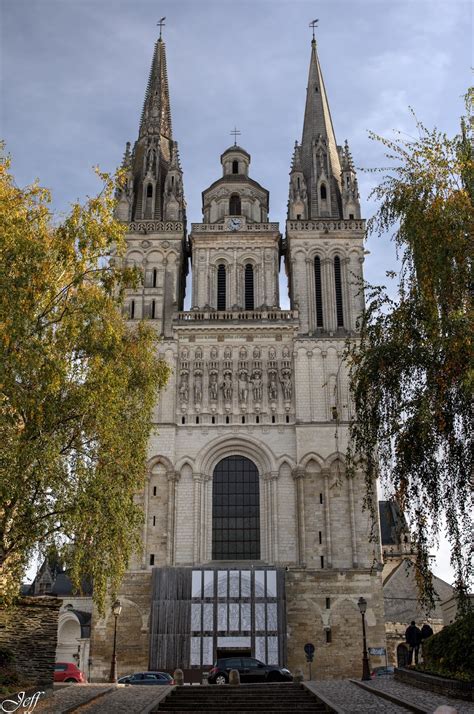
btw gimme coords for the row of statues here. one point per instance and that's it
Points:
(247, 383)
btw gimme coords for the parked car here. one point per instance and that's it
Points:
(250, 670)
(68, 672)
(147, 678)
(382, 672)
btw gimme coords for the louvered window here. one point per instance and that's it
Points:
(234, 205)
(235, 167)
(249, 296)
(318, 291)
(323, 191)
(149, 191)
(221, 287)
(338, 286)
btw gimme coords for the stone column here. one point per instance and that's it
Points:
(353, 528)
(327, 517)
(275, 531)
(204, 515)
(145, 523)
(329, 294)
(196, 518)
(310, 295)
(298, 476)
(346, 292)
(173, 477)
(310, 386)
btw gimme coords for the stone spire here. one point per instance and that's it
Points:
(148, 194)
(156, 114)
(319, 152)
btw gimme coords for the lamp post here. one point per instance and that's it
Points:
(362, 603)
(116, 610)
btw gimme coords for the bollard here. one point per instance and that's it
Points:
(178, 677)
(234, 677)
(205, 678)
(298, 675)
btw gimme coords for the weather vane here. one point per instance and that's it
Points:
(314, 24)
(161, 24)
(235, 133)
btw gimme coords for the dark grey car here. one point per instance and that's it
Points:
(250, 670)
(147, 678)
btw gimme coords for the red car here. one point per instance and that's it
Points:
(68, 672)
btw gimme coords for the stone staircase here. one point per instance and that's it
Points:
(266, 698)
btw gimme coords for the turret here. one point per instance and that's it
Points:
(350, 189)
(298, 196)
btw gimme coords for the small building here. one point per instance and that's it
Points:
(400, 590)
(74, 623)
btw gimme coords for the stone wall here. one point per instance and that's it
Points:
(132, 630)
(328, 599)
(29, 630)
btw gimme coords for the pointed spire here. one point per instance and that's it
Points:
(127, 157)
(156, 114)
(319, 154)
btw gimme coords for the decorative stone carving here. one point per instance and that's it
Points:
(228, 353)
(286, 352)
(286, 385)
(213, 386)
(272, 353)
(243, 353)
(226, 386)
(198, 354)
(256, 352)
(184, 387)
(197, 386)
(272, 386)
(243, 386)
(214, 353)
(257, 385)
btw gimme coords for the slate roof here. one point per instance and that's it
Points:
(400, 593)
(392, 523)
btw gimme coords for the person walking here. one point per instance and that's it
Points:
(413, 639)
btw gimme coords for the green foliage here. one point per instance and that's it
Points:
(450, 653)
(77, 389)
(412, 372)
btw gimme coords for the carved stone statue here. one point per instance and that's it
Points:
(198, 386)
(213, 386)
(272, 353)
(243, 386)
(226, 386)
(286, 385)
(214, 353)
(272, 386)
(257, 385)
(184, 387)
(256, 353)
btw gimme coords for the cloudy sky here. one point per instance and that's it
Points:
(74, 74)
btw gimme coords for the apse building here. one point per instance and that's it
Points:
(255, 542)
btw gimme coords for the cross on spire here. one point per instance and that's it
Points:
(235, 132)
(161, 24)
(313, 25)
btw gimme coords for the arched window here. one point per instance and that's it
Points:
(249, 294)
(323, 192)
(149, 191)
(234, 205)
(235, 167)
(153, 309)
(221, 287)
(338, 286)
(132, 309)
(155, 275)
(318, 291)
(235, 510)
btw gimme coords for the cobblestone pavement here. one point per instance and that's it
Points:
(351, 699)
(114, 700)
(73, 695)
(420, 697)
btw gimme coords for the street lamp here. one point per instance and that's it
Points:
(116, 610)
(362, 603)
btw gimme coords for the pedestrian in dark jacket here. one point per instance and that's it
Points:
(413, 638)
(426, 631)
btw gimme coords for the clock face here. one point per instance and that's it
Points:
(234, 224)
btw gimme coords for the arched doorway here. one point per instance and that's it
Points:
(235, 510)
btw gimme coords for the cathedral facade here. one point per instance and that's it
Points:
(255, 542)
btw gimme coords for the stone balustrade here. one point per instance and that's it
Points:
(223, 228)
(155, 227)
(270, 315)
(327, 226)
